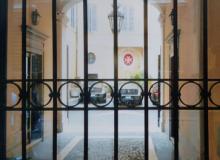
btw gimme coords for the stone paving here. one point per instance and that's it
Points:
(103, 149)
(63, 139)
(163, 146)
(131, 142)
(130, 148)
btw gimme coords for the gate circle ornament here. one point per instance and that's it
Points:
(184, 85)
(210, 94)
(155, 95)
(130, 97)
(15, 99)
(72, 93)
(101, 96)
(40, 104)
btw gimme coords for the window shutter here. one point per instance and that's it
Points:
(131, 19)
(73, 21)
(128, 23)
(88, 17)
(93, 13)
(125, 23)
(92, 21)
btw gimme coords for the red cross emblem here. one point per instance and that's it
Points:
(128, 59)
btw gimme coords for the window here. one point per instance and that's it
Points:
(73, 17)
(128, 24)
(92, 22)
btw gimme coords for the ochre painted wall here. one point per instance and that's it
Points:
(190, 66)
(14, 64)
(214, 72)
(189, 25)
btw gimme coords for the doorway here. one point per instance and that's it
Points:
(35, 121)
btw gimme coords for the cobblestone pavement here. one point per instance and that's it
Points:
(131, 149)
(102, 149)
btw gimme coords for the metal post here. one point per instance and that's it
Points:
(205, 79)
(146, 78)
(86, 97)
(24, 87)
(54, 32)
(175, 93)
(115, 13)
(3, 76)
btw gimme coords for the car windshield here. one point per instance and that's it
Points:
(96, 90)
(129, 91)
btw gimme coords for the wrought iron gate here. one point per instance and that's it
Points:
(54, 85)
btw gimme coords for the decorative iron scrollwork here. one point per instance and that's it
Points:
(15, 98)
(35, 95)
(187, 84)
(131, 97)
(74, 94)
(100, 94)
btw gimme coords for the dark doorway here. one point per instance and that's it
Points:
(34, 118)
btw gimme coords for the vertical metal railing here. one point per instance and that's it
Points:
(86, 93)
(146, 87)
(3, 76)
(55, 94)
(115, 43)
(205, 79)
(175, 93)
(24, 87)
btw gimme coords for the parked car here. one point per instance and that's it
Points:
(75, 97)
(130, 97)
(98, 95)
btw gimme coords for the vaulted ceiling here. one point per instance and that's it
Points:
(63, 5)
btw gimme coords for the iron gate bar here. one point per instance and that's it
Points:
(205, 79)
(182, 108)
(146, 87)
(54, 59)
(150, 79)
(86, 93)
(3, 76)
(23, 94)
(111, 109)
(175, 93)
(115, 43)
